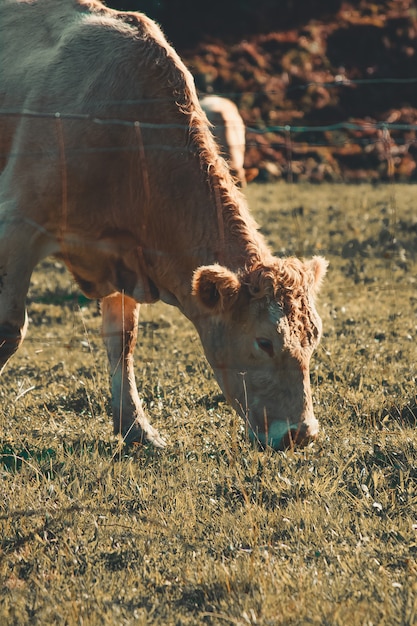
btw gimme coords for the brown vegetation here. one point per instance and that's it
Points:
(333, 98)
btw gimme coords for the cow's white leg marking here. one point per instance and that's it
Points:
(120, 326)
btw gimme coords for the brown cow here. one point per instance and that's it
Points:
(229, 131)
(109, 164)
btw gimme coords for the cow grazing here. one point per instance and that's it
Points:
(109, 164)
(229, 131)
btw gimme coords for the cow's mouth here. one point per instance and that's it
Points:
(282, 436)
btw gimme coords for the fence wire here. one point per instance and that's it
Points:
(391, 137)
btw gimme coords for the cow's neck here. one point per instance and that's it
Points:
(213, 228)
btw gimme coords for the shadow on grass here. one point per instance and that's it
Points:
(12, 459)
(405, 415)
(49, 461)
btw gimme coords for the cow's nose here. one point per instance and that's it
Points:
(282, 436)
(298, 437)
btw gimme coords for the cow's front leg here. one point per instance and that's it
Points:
(13, 326)
(120, 316)
(16, 265)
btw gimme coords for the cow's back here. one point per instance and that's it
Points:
(57, 52)
(75, 77)
(31, 35)
(104, 136)
(27, 36)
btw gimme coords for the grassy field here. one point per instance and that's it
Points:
(211, 530)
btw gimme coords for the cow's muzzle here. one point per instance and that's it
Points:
(282, 436)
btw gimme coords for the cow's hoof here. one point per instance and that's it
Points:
(143, 436)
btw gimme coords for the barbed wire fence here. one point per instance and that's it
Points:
(391, 140)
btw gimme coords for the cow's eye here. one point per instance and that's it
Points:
(265, 345)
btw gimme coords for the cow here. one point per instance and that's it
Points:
(109, 164)
(229, 131)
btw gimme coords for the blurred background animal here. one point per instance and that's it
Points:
(229, 131)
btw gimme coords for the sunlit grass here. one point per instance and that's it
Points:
(212, 530)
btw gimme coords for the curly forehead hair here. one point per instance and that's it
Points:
(290, 282)
(281, 279)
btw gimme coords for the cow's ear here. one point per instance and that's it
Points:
(317, 268)
(215, 287)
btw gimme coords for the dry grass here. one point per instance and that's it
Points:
(211, 530)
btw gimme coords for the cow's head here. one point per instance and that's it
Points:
(258, 331)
